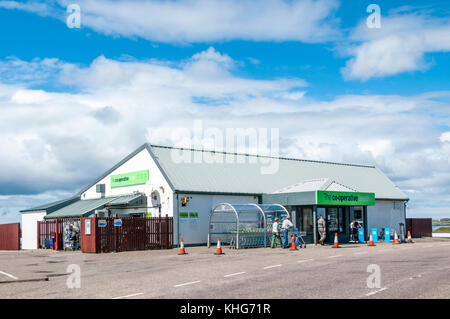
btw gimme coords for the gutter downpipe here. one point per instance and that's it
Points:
(405, 204)
(178, 221)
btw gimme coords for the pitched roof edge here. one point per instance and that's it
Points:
(112, 169)
(262, 156)
(52, 206)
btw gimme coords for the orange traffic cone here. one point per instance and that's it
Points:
(409, 237)
(371, 243)
(396, 241)
(219, 248)
(293, 246)
(336, 242)
(182, 251)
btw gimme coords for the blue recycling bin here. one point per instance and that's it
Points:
(387, 235)
(375, 235)
(361, 238)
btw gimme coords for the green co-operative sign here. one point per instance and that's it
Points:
(131, 178)
(345, 198)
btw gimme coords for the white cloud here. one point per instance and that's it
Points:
(445, 137)
(378, 148)
(60, 141)
(398, 46)
(201, 20)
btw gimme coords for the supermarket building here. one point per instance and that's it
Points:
(153, 181)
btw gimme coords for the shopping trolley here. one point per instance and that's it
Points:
(299, 241)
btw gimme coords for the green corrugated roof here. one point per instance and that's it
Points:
(51, 207)
(242, 176)
(84, 206)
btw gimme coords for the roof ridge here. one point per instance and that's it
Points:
(257, 155)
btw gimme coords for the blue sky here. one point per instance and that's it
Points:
(336, 89)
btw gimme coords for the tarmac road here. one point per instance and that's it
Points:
(419, 270)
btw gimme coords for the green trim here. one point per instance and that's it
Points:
(345, 198)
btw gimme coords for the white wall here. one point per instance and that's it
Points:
(29, 228)
(195, 231)
(140, 161)
(386, 214)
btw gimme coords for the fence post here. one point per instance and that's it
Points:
(56, 243)
(38, 232)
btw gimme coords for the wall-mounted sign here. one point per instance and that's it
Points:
(87, 226)
(184, 215)
(128, 179)
(148, 214)
(102, 223)
(345, 198)
(193, 215)
(117, 222)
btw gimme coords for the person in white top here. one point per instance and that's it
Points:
(275, 233)
(285, 229)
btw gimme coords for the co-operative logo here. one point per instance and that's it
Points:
(341, 198)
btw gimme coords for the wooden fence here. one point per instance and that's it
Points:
(134, 233)
(53, 228)
(10, 236)
(419, 227)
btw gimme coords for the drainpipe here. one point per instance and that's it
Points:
(315, 224)
(178, 222)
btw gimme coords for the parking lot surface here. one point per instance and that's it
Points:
(419, 270)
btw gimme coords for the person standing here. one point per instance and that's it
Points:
(352, 231)
(275, 233)
(321, 228)
(285, 226)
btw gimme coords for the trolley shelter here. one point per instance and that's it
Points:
(244, 225)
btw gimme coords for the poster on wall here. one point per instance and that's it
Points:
(184, 217)
(87, 226)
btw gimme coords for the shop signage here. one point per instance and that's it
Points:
(87, 226)
(184, 215)
(361, 235)
(102, 223)
(345, 198)
(148, 214)
(387, 235)
(193, 215)
(117, 222)
(128, 179)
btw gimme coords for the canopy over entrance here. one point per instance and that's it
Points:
(320, 192)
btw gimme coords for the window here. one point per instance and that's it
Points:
(308, 224)
(333, 225)
(341, 220)
(304, 221)
(358, 213)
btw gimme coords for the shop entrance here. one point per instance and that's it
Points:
(336, 218)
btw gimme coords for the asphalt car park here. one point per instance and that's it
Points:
(419, 270)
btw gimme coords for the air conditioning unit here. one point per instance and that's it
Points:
(100, 188)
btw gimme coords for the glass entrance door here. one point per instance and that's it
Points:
(332, 222)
